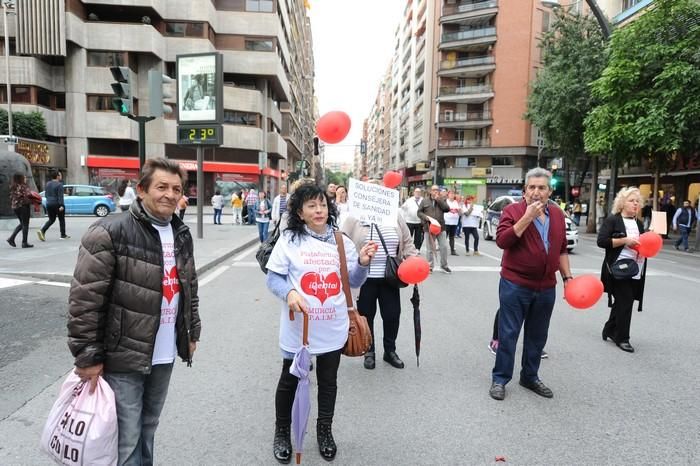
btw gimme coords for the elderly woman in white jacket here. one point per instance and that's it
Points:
(399, 243)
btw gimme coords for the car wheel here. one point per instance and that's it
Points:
(569, 249)
(486, 234)
(101, 211)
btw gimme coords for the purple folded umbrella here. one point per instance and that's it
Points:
(302, 400)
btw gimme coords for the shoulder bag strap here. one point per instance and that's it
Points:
(381, 238)
(344, 279)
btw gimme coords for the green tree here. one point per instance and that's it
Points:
(650, 91)
(337, 178)
(573, 55)
(28, 125)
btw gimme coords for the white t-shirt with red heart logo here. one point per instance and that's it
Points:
(313, 268)
(165, 350)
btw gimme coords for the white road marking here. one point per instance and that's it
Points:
(245, 264)
(49, 283)
(10, 282)
(244, 253)
(464, 246)
(212, 275)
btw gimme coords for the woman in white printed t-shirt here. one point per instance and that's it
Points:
(304, 272)
(452, 219)
(399, 243)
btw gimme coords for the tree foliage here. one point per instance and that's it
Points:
(650, 91)
(28, 125)
(337, 178)
(574, 55)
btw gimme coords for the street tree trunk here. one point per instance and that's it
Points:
(592, 219)
(655, 193)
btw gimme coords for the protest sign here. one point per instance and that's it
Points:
(372, 203)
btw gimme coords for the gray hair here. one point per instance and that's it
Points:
(538, 172)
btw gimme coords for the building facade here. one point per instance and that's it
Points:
(268, 84)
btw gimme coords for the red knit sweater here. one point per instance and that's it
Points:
(525, 261)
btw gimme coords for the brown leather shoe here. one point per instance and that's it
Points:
(538, 387)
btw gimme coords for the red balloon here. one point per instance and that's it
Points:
(583, 291)
(392, 179)
(650, 244)
(414, 270)
(435, 229)
(333, 127)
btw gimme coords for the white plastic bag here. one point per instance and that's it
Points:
(82, 428)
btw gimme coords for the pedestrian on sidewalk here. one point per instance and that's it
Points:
(409, 210)
(217, 202)
(683, 220)
(55, 206)
(577, 209)
(341, 203)
(20, 201)
(451, 220)
(251, 200)
(261, 210)
(397, 240)
(127, 195)
(646, 214)
(307, 248)
(471, 216)
(237, 207)
(435, 208)
(129, 324)
(279, 204)
(619, 236)
(532, 234)
(697, 226)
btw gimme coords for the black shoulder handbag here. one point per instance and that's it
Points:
(391, 271)
(623, 269)
(265, 249)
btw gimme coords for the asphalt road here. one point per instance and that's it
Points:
(609, 407)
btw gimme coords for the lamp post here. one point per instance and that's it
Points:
(5, 5)
(606, 29)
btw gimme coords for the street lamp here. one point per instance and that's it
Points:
(5, 5)
(607, 31)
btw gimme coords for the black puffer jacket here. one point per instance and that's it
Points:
(116, 293)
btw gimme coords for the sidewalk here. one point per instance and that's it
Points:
(55, 259)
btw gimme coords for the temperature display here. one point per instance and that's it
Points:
(200, 134)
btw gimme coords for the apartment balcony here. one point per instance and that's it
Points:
(276, 145)
(476, 67)
(465, 120)
(466, 12)
(462, 147)
(466, 94)
(466, 40)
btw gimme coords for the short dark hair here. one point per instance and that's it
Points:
(159, 163)
(306, 192)
(54, 174)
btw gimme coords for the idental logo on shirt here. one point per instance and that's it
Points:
(171, 285)
(322, 288)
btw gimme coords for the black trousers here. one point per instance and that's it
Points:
(327, 375)
(475, 234)
(376, 289)
(23, 213)
(618, 325)
(416, 230)
(451, 230)
(53, 211)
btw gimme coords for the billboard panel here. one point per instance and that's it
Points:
(200, 88)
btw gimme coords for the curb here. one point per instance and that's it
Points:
(65, 278)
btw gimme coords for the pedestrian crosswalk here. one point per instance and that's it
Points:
(13, 282)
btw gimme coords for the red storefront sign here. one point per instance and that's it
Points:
(102, 162)
(238, 177)
(118, 173)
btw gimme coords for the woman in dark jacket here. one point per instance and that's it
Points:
(619, 236)
(21, 204)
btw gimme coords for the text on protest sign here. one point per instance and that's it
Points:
(372, 203)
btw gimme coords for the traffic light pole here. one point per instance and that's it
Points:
(200, 192)
(142, 120)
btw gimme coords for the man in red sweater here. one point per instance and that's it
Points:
(532, 234)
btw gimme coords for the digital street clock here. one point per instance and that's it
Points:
(200, 135)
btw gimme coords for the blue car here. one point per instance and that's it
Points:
(82, 199)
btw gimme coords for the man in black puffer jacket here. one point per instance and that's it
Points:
(134, 307)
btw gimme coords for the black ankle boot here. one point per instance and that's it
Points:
(369, 360)
(282, 445)
(326, 444)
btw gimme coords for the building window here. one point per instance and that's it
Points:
(502, 161)
(627, 4)
(232, 117)
(99, 103)
(465, 162)
(106, 58)
(182, 29)
(60, 101)
(259, 45)
(545, 21)
(43, 98)
(21, 95)
(263, 6)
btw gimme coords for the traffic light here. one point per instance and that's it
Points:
(123, 101)
(553, 181)
(159, 90)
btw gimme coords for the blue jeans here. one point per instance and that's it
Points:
(685, 232)
(217, 216)
(520, 307)
(262, 230)
(140, 399)
(251, 214)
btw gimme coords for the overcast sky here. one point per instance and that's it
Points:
(353, 45)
